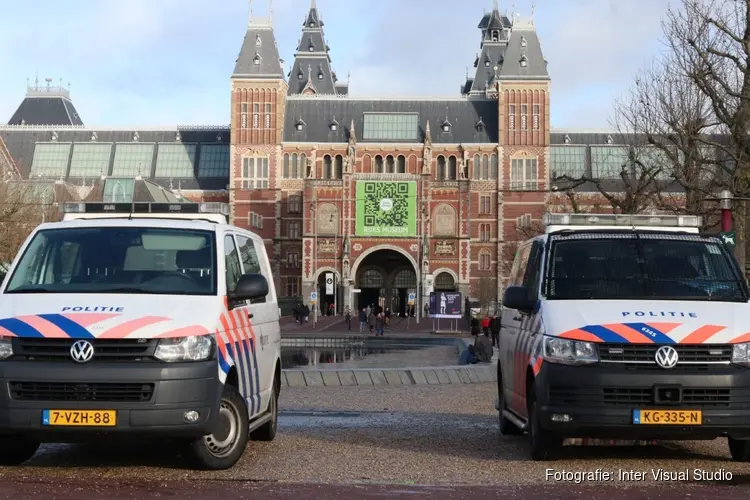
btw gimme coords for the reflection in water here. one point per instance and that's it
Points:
(335, 357)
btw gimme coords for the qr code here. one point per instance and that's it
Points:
(375, 192)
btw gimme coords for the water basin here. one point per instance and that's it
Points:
(369, 355)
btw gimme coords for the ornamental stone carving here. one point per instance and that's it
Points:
(357, 247)
(328, 219)
(444, 221)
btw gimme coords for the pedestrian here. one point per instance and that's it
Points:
(474, 325)
(486, 325)
(495, 330)
(426, 310)
(305, 314)
(368, 310)
(362, 319)
(348, 318)
(332, 309)
(379, 324)
(387, 317)
(371, 320)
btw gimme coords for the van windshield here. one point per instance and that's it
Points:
(117, 260)
(642, 266)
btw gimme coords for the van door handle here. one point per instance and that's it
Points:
(250, 315)
(517, 318)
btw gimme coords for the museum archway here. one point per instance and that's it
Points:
(444, 282)
(386, 278)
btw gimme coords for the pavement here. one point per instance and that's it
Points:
(411, 441)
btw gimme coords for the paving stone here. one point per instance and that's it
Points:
(378, 378)
(463, 375)
(296, 379)
(453, 376)
(405, 378)
(313, 378)
(485, 374)
(331, 379)
(284, 382)
(363, 377)
(431, 377)
(474, 375)
(418, 376)
(391, 376)
(442, 376)
(347, 378)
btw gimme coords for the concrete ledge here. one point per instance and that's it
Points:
(435, 375)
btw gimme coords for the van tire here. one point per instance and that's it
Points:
(543, 444)
(267, 431)
(507, 428)
(218, 453)
(739, 449)
(16, 450)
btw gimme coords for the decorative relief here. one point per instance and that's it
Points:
(445, 248)
(310, 173)
(414, 247)
(328, 219)
(326, 246)
(357, 247)
(444, 221)
(345, 268)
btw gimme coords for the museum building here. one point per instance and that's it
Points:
(387, 196)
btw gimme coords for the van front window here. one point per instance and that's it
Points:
(117, 260)
(642, 266)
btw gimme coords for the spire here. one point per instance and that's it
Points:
(312, 52)
(427, 135)
(352, 134)
(259, 54)
(495, 7)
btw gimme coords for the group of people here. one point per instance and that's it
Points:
(489, 326)
(373, 317)
(301, 313)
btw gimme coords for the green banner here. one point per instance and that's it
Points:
(387, 208)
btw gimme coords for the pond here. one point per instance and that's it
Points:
(366, 355)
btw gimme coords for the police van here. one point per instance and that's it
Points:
(630, 327)
(140, 319)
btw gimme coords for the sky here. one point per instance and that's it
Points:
(168, 62)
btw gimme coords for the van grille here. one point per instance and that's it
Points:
(688, 354)
(71, 391)
(105, 350)
(644, 397)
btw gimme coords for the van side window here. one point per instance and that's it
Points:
(519, 266)
(531, 276)
(250, 261)
(232, 259)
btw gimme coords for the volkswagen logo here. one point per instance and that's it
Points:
(82, 351)
(666, 357)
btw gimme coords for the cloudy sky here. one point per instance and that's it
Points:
(168, 62)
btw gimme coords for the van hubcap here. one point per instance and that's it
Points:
(224, 439)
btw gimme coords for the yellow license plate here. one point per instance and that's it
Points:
(80, 418)
(668, 417)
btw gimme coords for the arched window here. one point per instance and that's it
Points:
(295, 166)
(444, 281)
(327, 167)
(339, 167)
(485, 167)
(406, 278)
(390, 164)
(371, 278)
(302, 171)
(401, 164)
(493, 166)
(378, 164)
(452, 169)
(477, 167)
(441, 173)
(286, 166)
(485, 260)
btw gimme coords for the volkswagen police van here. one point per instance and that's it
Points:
(625, 327)
(142, 319)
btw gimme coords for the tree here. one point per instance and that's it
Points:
(24, 205)
(487, 292)
(523, 232)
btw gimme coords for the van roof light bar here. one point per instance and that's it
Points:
(146, 208)
(625, 220)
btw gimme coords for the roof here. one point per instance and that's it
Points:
(46, 106)
(462, 113)
(311, 71)
(524, 44)
(259, 54)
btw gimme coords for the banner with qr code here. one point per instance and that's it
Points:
(387, 208)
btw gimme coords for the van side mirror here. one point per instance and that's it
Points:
(250, 287)
(517, 297)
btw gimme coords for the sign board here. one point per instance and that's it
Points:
(313, 297)
(329, 283)
(729, 238)
(412, 297)
(445, 305)
(386, 208)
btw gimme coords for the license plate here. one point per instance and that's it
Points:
(80, 418)
(668, 417)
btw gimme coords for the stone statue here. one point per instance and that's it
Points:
(310, 173)
(464, 174)
(347, 164)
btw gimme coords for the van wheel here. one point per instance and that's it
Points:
(224, 447)
(739, 449)
(16, 450)
(543, 444)
(507, 428)
(267, 431)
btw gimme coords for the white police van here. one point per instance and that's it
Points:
(143, 319)
(628, 327)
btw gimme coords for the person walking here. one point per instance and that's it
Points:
(495, 330)
(486, 325)
(379, 325)
(362, 320)
(348, 318)
(371, 320)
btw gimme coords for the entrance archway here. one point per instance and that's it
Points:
(445, 282)
(385, 277)
(325, 299)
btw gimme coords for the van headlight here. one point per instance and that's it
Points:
(6, 348)
(740, 354)
(569, 352)
(196, 348)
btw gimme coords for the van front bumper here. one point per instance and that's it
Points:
(599, 401)
(148, 398)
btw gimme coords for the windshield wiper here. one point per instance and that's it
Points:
(122, 289)
(37, 289)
